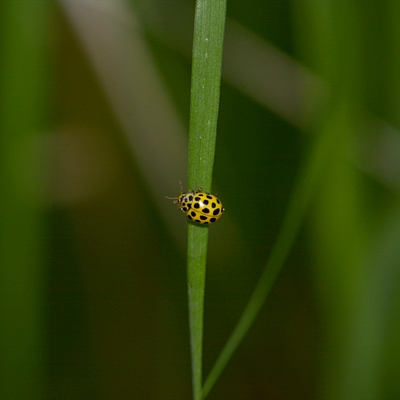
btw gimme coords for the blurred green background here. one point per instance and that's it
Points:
(94, 106)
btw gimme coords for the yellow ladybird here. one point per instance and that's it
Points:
(204, 208)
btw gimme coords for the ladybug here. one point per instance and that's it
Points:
(203, 208)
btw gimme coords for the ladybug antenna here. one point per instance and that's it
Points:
(176, 198)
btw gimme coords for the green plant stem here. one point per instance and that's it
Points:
(209, 28)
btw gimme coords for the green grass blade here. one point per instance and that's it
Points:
(295, 214)
(22, 100)
(206, 77)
